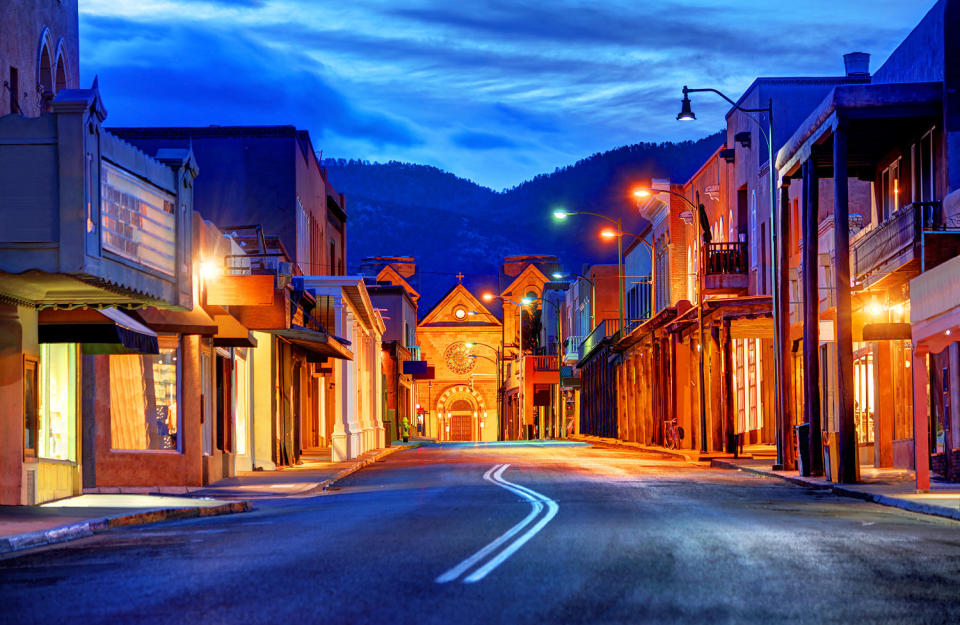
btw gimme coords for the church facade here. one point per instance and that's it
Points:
(460, 338)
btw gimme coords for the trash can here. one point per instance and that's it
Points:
(803, 449)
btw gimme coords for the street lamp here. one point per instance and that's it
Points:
(607, 233)
(489, 297)
(705, 237)
(561, 215)
(686, 114)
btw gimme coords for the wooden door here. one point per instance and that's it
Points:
(461, 426)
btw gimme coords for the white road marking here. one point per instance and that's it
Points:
(536, 500)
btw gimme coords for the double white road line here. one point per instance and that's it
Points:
(537, 504)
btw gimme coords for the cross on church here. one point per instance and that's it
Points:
(460, 277)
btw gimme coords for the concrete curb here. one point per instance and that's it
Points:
(383, 453)
(846, 491)
(65, 533)
(605, 442)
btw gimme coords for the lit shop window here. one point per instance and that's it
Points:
(143, 399)
(57, 437)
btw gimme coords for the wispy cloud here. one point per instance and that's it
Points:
(446, 83)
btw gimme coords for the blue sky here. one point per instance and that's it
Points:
(492, 90)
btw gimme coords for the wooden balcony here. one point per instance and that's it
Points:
(541, 370)
(725, 268)
(895, 246)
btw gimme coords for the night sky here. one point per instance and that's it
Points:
(491, 90)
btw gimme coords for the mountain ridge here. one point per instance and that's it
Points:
(450, 224)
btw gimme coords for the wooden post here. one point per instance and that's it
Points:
(811, 315)
(847, 436)
(883, 421)
(728, 408)
(716, 399)
(783, 285)
(921, 422)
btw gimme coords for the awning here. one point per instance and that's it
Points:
(316, 342)
(194, 321)
(230, 332)
(99, 331)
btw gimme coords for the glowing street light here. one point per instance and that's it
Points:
(560, 215)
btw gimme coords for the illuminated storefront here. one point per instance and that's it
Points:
(144, 392)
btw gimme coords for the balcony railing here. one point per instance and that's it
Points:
(725, 267)
(895, 235)
(608, 328)
(571, 347)
(543, 363)
(726, 258)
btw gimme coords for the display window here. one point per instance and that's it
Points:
(144, 394)
(57, 435)
(242, 405)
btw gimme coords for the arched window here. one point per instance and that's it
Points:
(44, 70)
(61, 75)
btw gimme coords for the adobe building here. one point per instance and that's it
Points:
(461, 338)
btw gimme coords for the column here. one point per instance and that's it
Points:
(728, 407)
(847, 439)
(811, 316)
(783, 282)
(921, 421)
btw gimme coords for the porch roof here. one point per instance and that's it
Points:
(934, 311)
(857, 102)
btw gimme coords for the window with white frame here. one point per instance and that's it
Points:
(303, 239)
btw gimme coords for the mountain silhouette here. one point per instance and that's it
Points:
(450, 224)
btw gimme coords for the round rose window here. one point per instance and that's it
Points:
(457, 358)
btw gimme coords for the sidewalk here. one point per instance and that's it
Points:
(688, 455)
(888, 487)
(25, 527)
(313, 476)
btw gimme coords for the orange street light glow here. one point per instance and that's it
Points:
(487, 297)
(607, 233)
(640, 192)
(209, 270)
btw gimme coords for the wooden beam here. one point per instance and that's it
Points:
(811, 321)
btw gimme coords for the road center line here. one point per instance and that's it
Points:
(459, 569)
(536, 500)
(534, 497)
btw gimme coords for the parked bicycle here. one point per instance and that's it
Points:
(672, 434)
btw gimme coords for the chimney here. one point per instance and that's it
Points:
(857, 64)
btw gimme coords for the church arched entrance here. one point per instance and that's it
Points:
(462, 410)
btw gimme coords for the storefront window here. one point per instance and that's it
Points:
(30, 408)
(242, 406)
(143, 399)
(902, 359)
(864, 408)
(58, 401)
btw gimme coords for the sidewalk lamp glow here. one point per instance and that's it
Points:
(526, 301)
(686, 113)
(556, 275)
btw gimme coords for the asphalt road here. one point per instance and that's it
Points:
(631, 539)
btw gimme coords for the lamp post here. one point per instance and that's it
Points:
(561, 215)
(642, 192)
(489, 297)
(499, 364)
(686, 114)
(609, 234)
(556, 307)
